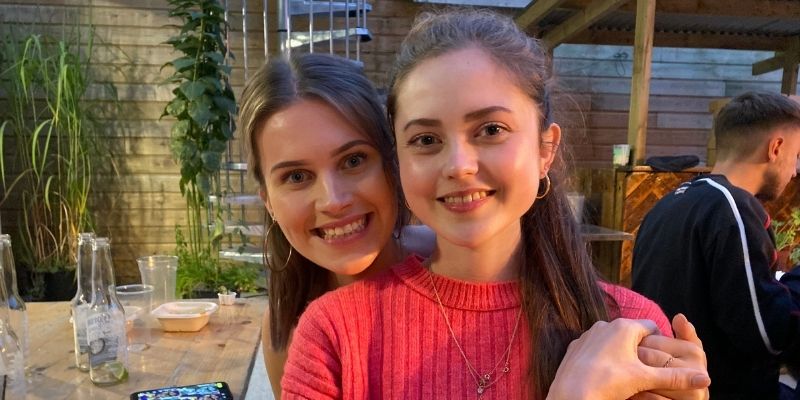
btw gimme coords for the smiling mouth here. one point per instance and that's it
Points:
(466, 198)
(330, 233)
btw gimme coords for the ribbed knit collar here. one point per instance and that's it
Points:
(458, 294)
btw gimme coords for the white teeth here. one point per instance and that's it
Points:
(342, 231)
(466, 198)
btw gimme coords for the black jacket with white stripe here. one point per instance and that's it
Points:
(706, 250)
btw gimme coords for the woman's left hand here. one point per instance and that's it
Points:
(683, 351)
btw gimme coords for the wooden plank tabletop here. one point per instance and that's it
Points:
(224, 350)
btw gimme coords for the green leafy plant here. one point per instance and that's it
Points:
(50, 144)
(202, 272)
(203, 107)
(786, 235)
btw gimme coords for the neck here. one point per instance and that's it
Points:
(391, 254)
(745, 174)
(494, 260)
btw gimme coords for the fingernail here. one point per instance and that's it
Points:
(700, 381)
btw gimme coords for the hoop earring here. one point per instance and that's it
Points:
(547, 187)
(267, 259)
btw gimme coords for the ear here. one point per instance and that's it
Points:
(774, 148)
(550, 141)
(265, 198)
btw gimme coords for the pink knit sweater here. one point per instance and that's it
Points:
(385, 338)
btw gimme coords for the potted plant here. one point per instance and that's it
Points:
(53, 131)
(787, 238)
(226, 297)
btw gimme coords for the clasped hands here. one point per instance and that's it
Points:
(627, 358)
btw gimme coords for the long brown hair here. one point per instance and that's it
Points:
(560, 294)
(294, 280)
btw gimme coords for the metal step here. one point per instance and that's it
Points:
(303, 38)
(248, 229)
(323, 8)
(234, 166)
(237, 199)
(252, 254)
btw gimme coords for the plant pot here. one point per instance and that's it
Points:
(59, 285)
(227, 299)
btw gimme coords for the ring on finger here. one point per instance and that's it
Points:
(669, 361)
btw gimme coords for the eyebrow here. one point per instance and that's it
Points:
(470, 116)
(339, 150)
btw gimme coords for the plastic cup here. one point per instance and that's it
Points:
(160, 272)
(621, 154)
(136, 301)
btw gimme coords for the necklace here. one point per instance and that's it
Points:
(485, 380)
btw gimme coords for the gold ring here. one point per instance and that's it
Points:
(666, 364)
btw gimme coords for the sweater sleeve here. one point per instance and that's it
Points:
(754, 310)
(632, 305)
(313, 369)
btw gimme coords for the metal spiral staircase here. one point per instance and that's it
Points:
(337, 27)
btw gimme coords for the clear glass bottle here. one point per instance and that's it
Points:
(12, 360)
(82, 300)
(105, 322)
(16, 307)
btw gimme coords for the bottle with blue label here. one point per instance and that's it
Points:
(82, 300)
(105, 322)
(12, 360)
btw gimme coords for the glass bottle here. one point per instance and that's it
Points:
(105, 322)
(82, 300)
(16, 307)
(12, 360)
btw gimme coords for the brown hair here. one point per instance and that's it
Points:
(561, 297)
(277, 85)
(750, 117)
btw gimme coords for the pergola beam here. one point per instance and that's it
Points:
(786, 60)
(683, 39)
(582, 19)
(535, 12)
(640, 81)
(783, 9)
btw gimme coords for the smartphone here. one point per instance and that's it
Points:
(201, 391)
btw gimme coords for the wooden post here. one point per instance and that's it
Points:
(640, 82)
(789, 81)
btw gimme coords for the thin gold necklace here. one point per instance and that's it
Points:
(483, 381)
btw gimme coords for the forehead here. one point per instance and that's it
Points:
(458, 80)
(306, 129)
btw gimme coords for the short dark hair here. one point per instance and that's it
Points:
(750, 117)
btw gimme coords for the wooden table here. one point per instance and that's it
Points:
(606, 245)
(224, 350)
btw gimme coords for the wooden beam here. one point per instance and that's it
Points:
(582, 19)
(782, 9)
(535, 12)
(789, 80)
(771, 64)
(782, 59)
(640, 81)
(683, 39)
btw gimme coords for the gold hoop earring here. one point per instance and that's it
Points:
(267, 259)
(546, 190)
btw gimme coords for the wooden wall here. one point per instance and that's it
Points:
(140, 206)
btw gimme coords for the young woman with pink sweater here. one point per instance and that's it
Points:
(509, 285)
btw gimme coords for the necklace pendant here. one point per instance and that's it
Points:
(480, 390)
(505, 369)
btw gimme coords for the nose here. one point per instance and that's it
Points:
(462, 160)
(335, 195)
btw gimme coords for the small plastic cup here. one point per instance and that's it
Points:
(137, 301)
(621, 154)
